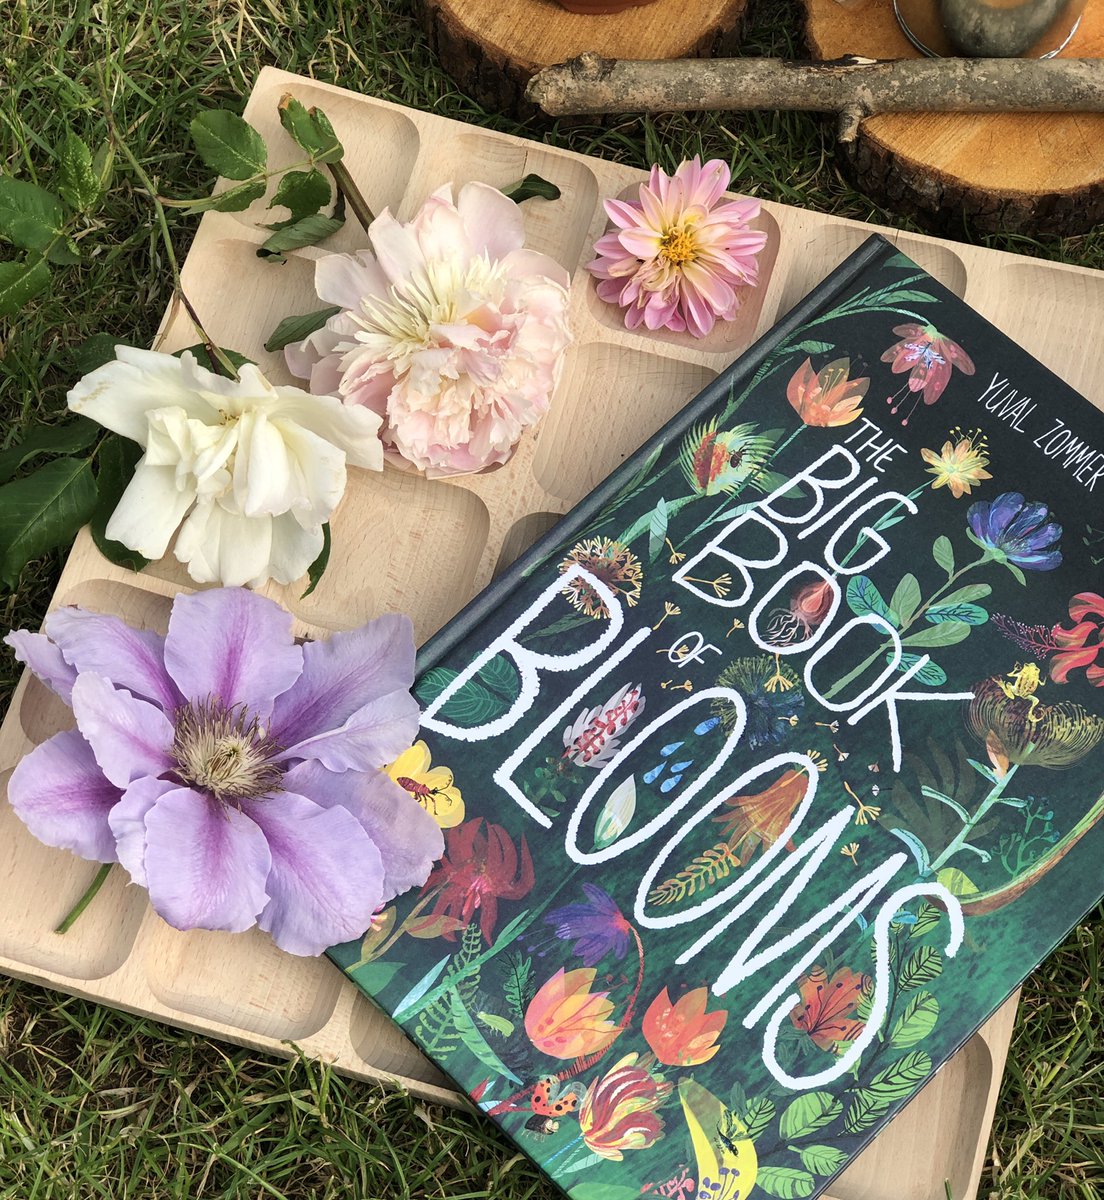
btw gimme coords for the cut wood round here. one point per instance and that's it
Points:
(492, 48)
(1030, 173)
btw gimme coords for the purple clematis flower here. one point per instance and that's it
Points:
(1016, 531)
(597, 927)
(232, 772)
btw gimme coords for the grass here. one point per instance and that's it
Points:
(95, 1103)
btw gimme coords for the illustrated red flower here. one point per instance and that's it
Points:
(618, 1112)
(824, 1011)
(928, 357)
(827, 398)
(1081, 646)
(480, 867)
(682, 1034)
(565, 1019)
(749, 822)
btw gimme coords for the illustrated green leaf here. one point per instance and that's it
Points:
(943, 553)
(957, 882)
(967, 594)
(228, 144)
(530, 186)
(968, 614)
(310, 130)
(68, 438)
(821, 1160)
(930, 673)
(318, 568)
(906, 599)
(757, 1115)
(500, 675)
(808, 1113)
(895, 1082)
(306, 232)
(1017, 574)
(421, 987)
(474, 704)
(916, 846)
(42, 511)
(475, 1042)
(927, 919)
(602, 1191)
(295, 329)
(785, 1182)
(115, 463)
(657, 530)
(77, 182)
(303, 193)
(30, 216)
(864, 599)
(813, 347)
(20, 282)
(921, 967)
(947, 633)
(916, 1022)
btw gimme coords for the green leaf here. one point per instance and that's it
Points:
(821, 1160)
(30, 216)
(234, 199)
(229, 145)
(931, 673)
(602, 1191)
(295, 329)
(812, 347)
(43, 511)
(317, 568)
(303, 193)
(20, 282)
(864, 599)
(310, 130)
(921, 967)
(475, 1042)
(967, 594)
(530, 186)
(481, 699)
(95, 351)
(115, 463)
(927, 919)
(1017, 574)
(906, 599)
(947, 633)
(807, 1114)
(957, 882)
(103, 164)
(199, 350)
(77, 181)
(48, 439)
(899, 1080)
(786, 1182)
(306, 232)
(969, 614)
(916, 1022)
(657, 530)
(943, 553)
(757, 1115)
(421, 987)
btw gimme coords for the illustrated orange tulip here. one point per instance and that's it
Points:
(827, 398)
(565, 1019)
(683, 1034)
(618, 1112)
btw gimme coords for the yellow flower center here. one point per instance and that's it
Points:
(677, 247)
(225, 751)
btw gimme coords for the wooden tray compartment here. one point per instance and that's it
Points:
(425, 547)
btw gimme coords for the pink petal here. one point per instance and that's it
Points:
(625, 213)
(206, 863)
(128, 823)
(42, 658)
(59, 792)
(396, 246)
(493, 221)
(129, 737)
(374, 735)
(346, 279)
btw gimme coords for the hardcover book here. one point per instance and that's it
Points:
(770, 772)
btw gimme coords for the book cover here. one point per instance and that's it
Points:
(772, 770)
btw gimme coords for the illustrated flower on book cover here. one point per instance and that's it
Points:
(234, 774)
(450, 331)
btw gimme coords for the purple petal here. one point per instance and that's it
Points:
(326, 879)
(42, 658)
(233, 644)
(62, 797)
(373, 736)
(206, 863)
(131, 658)
(129, 737)
(342, 674)
(128, 823)
(409, 839)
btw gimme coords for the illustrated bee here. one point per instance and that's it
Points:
(548, 1106)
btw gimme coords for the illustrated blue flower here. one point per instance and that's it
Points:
(1017, 531)
(597, 927)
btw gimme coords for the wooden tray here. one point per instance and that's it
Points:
(425, 547)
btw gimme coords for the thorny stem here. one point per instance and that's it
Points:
(85, 900)
(351, 192)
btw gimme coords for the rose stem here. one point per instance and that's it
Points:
(86, 899)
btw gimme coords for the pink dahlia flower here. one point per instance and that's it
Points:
(449, 330)
(233, 773)
(678, 253)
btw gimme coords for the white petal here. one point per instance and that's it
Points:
(396, 246)
(493, 221)
(293, 548)
(346, 279)
(219, 546)
(350, 427)
(317, 472)
(150, 509)
(263, 481)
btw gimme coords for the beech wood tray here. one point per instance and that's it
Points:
(405, 543)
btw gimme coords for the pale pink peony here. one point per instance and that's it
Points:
(449, 330)
(678, 254)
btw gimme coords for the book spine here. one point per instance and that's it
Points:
(742, 371)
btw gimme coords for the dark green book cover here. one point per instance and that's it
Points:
(772, 769)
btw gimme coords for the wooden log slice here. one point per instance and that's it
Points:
(492, 48)
(1002, 172)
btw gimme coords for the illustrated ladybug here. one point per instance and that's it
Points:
(548, 1106)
